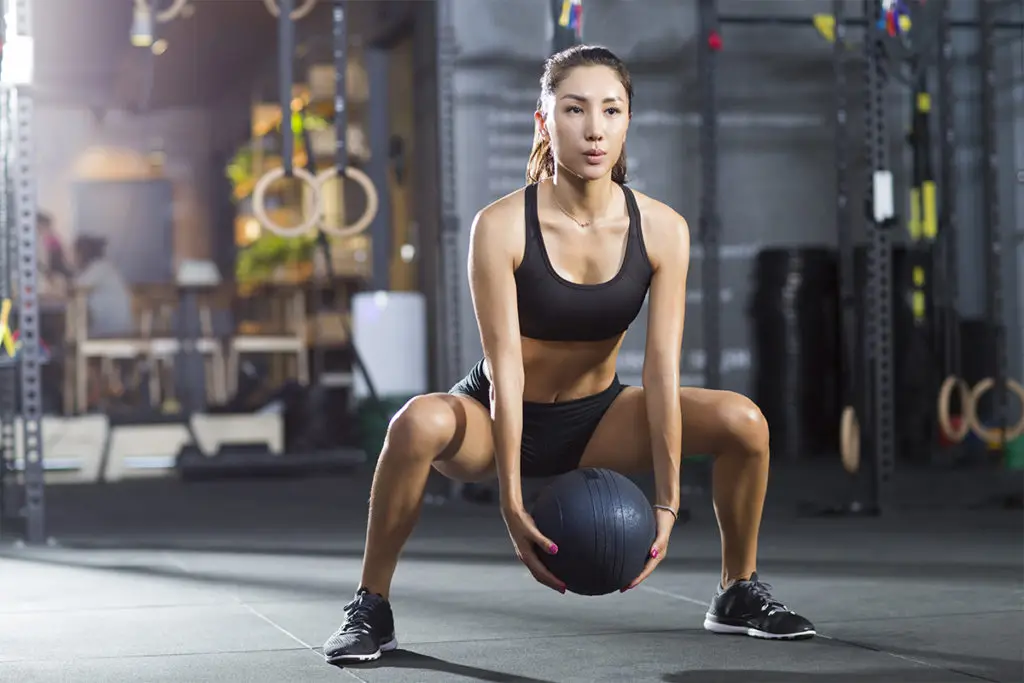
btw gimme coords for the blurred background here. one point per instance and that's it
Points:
(204, 333)
(194, 318)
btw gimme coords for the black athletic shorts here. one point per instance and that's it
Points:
(555, 435)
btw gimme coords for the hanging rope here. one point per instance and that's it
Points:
(286, 66)
(177, 9)
(341, 168)
(313, 216)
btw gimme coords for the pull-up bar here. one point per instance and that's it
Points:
(768, 20)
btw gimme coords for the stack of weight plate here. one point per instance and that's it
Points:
(794, 314)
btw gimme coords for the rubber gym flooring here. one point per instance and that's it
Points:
(243, 581)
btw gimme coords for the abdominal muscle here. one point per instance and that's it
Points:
(562, 371)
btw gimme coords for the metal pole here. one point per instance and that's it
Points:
(10, 491)
(339, 44)
(990, 221)
(948, 280)
(20, 113)
(379, 165)
(285, 79)
(451, 299)
(851, 376)
(881, 219)
(709, 218)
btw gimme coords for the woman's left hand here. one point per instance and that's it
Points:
(666, 520)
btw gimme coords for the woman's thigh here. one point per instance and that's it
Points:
(622, 440)
(469, 456)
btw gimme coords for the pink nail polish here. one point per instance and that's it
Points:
(553, 549)
(654, 553)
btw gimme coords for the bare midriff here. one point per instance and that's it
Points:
(562, 371)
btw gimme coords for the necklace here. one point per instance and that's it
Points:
(582, 224)
(577, 221)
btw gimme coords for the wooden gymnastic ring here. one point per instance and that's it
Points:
(987, 434)
(166, 15)
(372, 200)
(849, 440)
(172, 12)
(259, 208)
(960, 433)
(300, 12)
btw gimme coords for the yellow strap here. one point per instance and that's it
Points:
(826, 25)
(6, 339)
(930, 217)
(563, 20)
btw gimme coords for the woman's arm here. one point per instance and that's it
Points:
(668, 244)
(492, 250)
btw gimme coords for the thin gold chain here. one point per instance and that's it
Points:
(575, 220)
(571, 217)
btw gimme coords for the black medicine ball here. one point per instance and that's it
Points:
(604, 528)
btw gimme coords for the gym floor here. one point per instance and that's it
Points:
(243, 581)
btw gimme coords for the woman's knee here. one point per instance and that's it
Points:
(423, 427)
(745, 425)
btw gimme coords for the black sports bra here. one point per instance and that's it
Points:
(554, 309)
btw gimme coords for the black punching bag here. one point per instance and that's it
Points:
(604, 528)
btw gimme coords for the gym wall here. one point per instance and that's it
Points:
(970, 200)
(75, 145)
(1010, 113)
(775, 147)
(777, 180)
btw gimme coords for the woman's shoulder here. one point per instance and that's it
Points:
(662, 226)
(658, 214)
(505, 207)
(501, 224)
(506, 213)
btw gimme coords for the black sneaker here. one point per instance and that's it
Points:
(369, 630)
(748, 608)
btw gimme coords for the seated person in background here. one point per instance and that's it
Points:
(108, 300)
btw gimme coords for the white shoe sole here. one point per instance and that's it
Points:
(717, 627)
(372, 657)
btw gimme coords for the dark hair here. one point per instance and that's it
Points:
(89, 248)
(542, 161)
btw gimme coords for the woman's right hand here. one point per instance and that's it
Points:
(528, 541)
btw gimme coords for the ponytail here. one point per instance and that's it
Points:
(619, 169)
(542, 162)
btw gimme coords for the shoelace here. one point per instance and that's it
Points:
(768, 602)
(359, 612)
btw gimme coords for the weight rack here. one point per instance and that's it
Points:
(23, 504)
(947, 283)
(991, 228)
(868, 351)
(710, 218)
(878, 409)
(9, 493)
(451, 297)
(851, 348)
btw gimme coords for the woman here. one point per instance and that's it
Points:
(558, 270)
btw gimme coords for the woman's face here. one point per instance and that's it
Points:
(587, 120)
